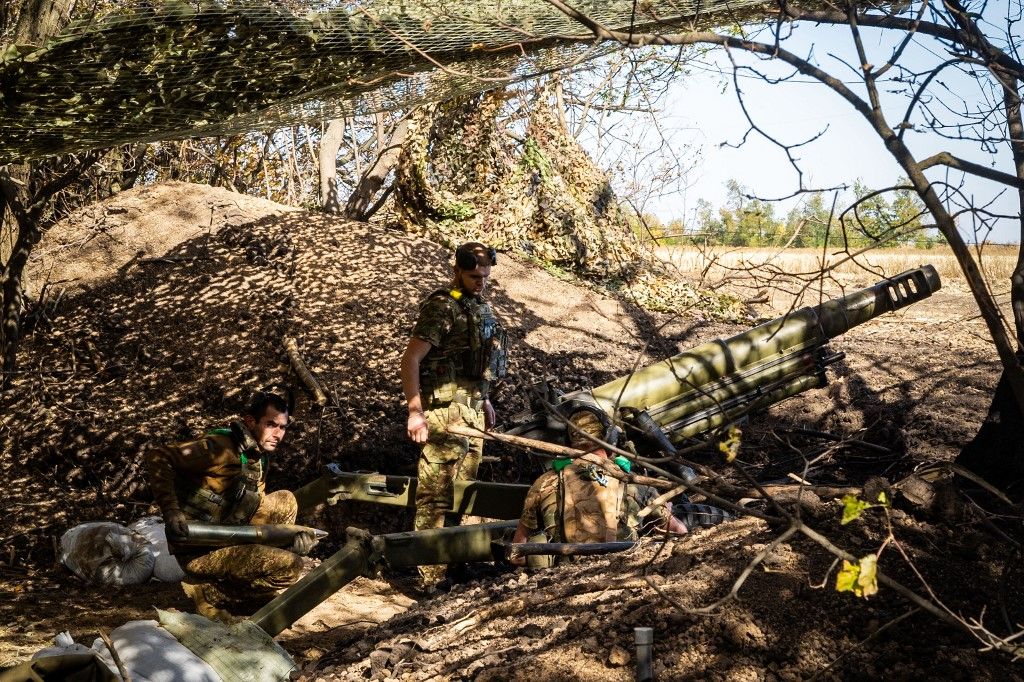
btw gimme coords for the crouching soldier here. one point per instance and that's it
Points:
(221, 479)
(578, 502)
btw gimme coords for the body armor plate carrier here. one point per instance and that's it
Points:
(238, 503)
(471, 361)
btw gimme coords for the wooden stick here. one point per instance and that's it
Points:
(739, 492)
(292, 348)
(798, 479)
(117, 659)
(606, 465)
(533, 443)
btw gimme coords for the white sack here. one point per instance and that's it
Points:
(167, 569)
(151, 654)
(107, 553)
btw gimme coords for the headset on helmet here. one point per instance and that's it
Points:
(611, 434)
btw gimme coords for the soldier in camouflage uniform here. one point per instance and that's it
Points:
(577, 501)
(457, 349)
(221, 478)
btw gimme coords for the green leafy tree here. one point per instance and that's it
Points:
(878, 220)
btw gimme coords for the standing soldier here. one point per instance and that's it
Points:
(457, 349)
(221, 478)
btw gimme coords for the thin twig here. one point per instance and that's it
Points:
(113, 654)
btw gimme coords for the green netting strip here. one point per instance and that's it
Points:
(147, 72)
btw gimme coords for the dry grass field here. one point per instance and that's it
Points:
(715, 264)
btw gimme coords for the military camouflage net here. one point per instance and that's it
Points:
(459, 179)
(164, 69)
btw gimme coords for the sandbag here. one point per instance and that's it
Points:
(240, 652)
(150, 653)
(107, 553)
(167, 569)
(69, 667)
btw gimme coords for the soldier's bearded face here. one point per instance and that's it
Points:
(473, 281)
(270, 429)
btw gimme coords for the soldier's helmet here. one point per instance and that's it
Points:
(588, 422)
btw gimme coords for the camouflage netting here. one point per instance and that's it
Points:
(165, 69)
(460, 178)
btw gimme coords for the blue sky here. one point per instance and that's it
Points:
(702, 113)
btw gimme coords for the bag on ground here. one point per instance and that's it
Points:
(107, 553)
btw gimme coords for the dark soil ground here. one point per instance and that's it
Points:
(160, 345)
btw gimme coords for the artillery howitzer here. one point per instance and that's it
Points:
(718, 382)
(689, 394)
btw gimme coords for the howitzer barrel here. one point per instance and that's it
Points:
(708, 385)
(515, 550)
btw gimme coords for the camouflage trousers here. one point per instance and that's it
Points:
(242, 578)
(445, 458)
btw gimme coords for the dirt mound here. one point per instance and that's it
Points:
(163, 347)
(142, 223)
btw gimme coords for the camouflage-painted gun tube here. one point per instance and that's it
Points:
(718, 381)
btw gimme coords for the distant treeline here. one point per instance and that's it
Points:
(891, 219)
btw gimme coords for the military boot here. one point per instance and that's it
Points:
(203, 594)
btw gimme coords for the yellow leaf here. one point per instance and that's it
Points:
(846, 579)
(860, 578)
(730, 445)
(868, 578)
(852, 508)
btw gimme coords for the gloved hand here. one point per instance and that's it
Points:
(303, 543)
(176, 525)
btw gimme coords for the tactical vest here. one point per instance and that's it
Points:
(238, 503)
(589, 504)
(475, 354)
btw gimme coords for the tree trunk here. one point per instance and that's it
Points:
(8, 233)
(14, 190)
(990, 312)
(11, 312)
(41, 19)
(1015, 128)
(361, 201)
(27, 207)
(997, 451)
(330, 143)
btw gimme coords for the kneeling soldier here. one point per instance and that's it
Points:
(578, 502)
(221, 478)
